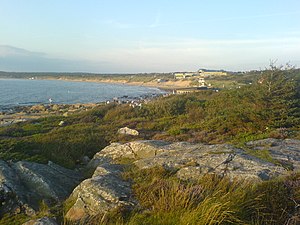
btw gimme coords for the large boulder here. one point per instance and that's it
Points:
(128, 131)
(104, 191)
(24, 185)
(132, 150)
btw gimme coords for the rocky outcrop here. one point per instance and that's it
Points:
(286, 152)
(132, 150)
(26, 113)
(24, 185)
(106, 190)
(193, 160)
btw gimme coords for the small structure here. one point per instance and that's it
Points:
(202, 82)
(161, 80)
(183, 75)
(208, 73)
(198, 74)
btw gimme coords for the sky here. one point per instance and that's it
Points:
(133, 36)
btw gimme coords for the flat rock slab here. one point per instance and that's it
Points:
(191, 161)
(194, 160)
(286, 151)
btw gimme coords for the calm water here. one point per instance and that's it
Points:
(16, 92)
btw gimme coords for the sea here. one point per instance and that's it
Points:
(21, 92)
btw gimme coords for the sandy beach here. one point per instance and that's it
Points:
(164, 85)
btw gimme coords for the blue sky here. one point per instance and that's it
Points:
(120, 36)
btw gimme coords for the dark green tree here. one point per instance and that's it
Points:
(277, 89)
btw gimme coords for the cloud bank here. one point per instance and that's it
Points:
(160, 56)
(22, 60)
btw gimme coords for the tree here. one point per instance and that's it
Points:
(277, 89)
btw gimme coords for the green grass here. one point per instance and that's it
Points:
(165, 200)
(235, 116)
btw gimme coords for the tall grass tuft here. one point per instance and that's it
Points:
(212, 200)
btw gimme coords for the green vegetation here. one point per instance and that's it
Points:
(21, 218)
(269, 107)
(166, 200)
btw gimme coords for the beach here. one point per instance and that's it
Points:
(24, 112)
(167, 85)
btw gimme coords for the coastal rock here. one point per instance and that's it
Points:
(128, 131)
(286, 152)
(42, 221)
(24, 185)
(55, 107)
(194, 160)
(190, 161)
(38, 108)
(132, 150)
(104, 191)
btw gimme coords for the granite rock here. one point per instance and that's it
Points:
(23, 185)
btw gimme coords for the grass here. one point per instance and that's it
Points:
(20, 218)
(233, 116)
(165, 200)
(207, 117)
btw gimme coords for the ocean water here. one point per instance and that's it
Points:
(18, 92)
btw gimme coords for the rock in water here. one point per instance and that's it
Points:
(23, 185)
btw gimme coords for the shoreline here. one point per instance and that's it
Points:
(19, 114)
(106, 81)
(16, 114)
(167, 86)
